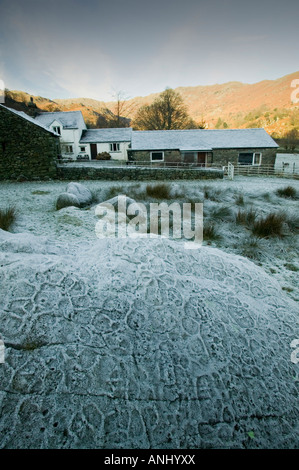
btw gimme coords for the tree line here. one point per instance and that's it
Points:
(167, 112)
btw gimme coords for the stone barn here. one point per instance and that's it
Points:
(28, 149)
(204, 147)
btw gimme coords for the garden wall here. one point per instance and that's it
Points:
(66, 172)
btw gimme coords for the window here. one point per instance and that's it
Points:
(189, 157)
(257, 159)
(157, 156)
(82, 149)
(57, 130)
(114, 147)
(250, 158)
(69, 149)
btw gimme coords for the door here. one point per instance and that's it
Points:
(93, 151)
(201, 158)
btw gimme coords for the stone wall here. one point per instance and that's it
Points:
(223, 156)
(26, 150)
(132, 173)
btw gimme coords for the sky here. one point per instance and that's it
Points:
(95, 48)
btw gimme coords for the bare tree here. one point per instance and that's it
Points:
(122, 109)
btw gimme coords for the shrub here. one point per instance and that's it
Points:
(158, 191)
(7, 217)
(103, 156)
(288, 192)
(269, 226)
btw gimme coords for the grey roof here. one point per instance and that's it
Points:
(122, 134)
(25, 116)
(68, 119)
(201, 139)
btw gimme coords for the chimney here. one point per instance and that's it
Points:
(32, 108)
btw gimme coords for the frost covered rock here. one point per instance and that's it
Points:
(82, 193)
(67, 200)
(126, 343)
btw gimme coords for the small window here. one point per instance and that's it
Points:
(57, 130)
(114, 147)
(189, 157)
(82, 149)
(245, 158)
(69, 149)
(157, 156)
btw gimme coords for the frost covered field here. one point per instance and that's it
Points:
(140, 343)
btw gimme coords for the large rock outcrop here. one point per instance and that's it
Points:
(142, 344)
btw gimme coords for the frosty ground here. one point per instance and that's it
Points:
(139, 343)
(35, 203)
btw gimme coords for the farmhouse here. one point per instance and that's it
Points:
(69, 126)
(27, 147)
(116, 142)
(204, 147)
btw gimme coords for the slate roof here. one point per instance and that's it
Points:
(25, 116)
(122, 134)
(68, 119)
(201, 139)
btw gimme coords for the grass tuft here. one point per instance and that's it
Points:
(269, 226)
(158, 191)
(7, 218)
(239, 200)
(251, 248)
(288, 192)
(221, 213)
(246, 217)
(212, 193)
(210, 232)
(114, 191)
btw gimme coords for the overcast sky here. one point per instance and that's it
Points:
(88, 48)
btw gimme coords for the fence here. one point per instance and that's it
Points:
(263, 170)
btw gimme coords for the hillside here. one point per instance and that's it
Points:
(235, 105)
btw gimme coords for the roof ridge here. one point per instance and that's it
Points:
(28, 118)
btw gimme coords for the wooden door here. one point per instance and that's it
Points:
(93, 151)
(201, 158)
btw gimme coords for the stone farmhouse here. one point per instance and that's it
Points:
(201, 147)
(69, 125)
(32, 147)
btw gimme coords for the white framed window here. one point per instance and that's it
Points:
(114, 147)
(257, 158)
(57, 129)
(69, 149)
(157, 156)
(82, 148)
(250, 158)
